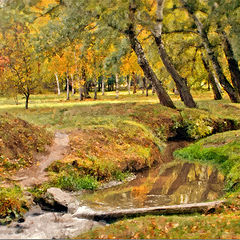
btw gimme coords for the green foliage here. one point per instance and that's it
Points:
(198, 124)
(73, 182)
(194, 128)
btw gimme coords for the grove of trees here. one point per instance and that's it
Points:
(79, 46)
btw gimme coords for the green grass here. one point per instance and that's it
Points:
(73, 182)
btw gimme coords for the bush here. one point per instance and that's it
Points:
(193, 127)
(12, 203)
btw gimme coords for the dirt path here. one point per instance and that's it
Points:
(36, 174)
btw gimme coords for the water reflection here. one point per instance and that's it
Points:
(171, 183)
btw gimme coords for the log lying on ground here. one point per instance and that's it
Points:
(136, 212)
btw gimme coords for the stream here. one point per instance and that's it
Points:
(178, 183)
(170, 183)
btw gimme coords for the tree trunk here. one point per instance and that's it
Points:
(143, 62)
(85, 87)
(180, 82)
(80, 93)
(147, 87)
(80, 88)
(232, 93)
(232, 62)
(153, 90)
(211, 79)
(103, 87)
(129, 84)
(27, 95)
(68, 97)
(85, 90)
(95, 88)
(58, 86)
(143, 85)
(72, 84)
(117, 86)
(134, 77)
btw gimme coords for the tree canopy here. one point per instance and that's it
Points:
(177, 44)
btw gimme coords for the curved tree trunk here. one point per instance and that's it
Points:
(143, 62)
(232, 93)
(216, 91)
(232, 62)
(180, 82)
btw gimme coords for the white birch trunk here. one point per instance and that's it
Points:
(58, 86)
(103, 87)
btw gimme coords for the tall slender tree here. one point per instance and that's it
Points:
(180, 82)
(142, 60)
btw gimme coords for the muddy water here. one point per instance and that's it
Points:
(173, 182)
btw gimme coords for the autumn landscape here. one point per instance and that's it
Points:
(119, 119)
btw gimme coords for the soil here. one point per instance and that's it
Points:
(36, 175)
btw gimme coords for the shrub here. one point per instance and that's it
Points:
(12, 203)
